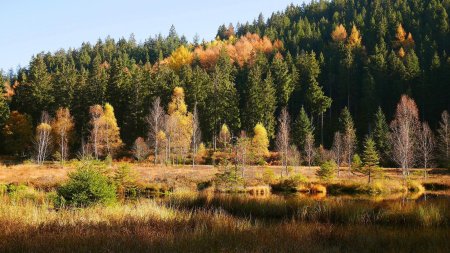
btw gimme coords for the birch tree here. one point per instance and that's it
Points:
(155, 121)
(404, 130)
(337, 150)
(426, 145)
(63, 126)
(283, 138)
(43, 138)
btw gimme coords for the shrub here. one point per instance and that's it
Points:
(126, 181)
(268, 176)
(87, 186)
(327, 170)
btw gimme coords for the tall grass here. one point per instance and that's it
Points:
(189, 222)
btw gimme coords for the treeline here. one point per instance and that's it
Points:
(313, 59)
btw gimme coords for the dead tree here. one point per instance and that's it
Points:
(337, 150)
(426, 145)
(309, 148)
(283, 138)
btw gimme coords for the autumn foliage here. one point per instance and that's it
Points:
(241, 51)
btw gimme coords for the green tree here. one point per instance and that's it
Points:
(261, 101)
(381, 135)
(4, 110)
(87, 186)
(327, 170)
(302, 127)
(222, 102)
(283, 81)
(370, 158)
(318, 102)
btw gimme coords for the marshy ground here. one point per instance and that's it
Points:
(187, 220)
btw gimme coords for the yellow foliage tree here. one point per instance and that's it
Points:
(355, 38)
(400, 35)
(401, 52)
(180, 57)
(62, 127)
(260, 142)
(201, 153)
(111, 130)
(224, 136)
(339, 34)
(180, 133)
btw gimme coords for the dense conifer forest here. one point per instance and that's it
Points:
(316, 60)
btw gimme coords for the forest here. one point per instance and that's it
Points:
(315, 60)
(322, 128)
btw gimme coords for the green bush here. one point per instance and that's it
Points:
(87, 186)
(126, 181)
(327, 170)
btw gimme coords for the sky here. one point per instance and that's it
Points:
(30, 26)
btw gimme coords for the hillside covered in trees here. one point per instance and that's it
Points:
(315, 60)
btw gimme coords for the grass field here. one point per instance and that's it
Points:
(191, 221)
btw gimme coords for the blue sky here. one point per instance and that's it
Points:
(31, 26)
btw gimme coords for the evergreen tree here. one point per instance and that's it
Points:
(261, 102)
(370, 158)
(302, 127)
(381, 135)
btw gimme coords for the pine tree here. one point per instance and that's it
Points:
(261, 102)
(222, 102)
(370, 158)
(381, 135)
(318, 102)
(302, 127)
(4, 110)
(283, 81)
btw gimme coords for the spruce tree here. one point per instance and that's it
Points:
(302, 127)
(261, 101)
(370, 158)
(381, 135)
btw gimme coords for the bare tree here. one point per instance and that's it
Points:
(243, 148)
(196, 134)
(337, 150)
(426, 145)
(43, 138)
(349, 143)
(156, 122)
(309, 148)
(283, 139)
(62, 127)
(96, 112)
(444, 138)
(405, 127)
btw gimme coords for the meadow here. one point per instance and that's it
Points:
(189, 218)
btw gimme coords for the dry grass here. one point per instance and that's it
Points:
(212, 224)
